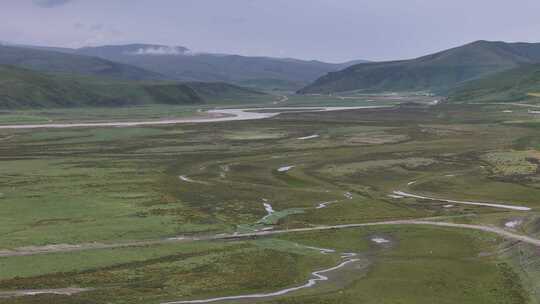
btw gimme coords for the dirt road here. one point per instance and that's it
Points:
(493, 205)
(28, 251)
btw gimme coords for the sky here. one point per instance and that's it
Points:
(328, 30)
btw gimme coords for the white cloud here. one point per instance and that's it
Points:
(160, 51)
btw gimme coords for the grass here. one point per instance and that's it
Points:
(423, 266)
(513, 163)
(254, 135)
(351, 168)
(343, 100)
(120, 184)
(163, 272)
(526, 262)
(516, 84)
(434, 260)
(32, 266)
(96, 114)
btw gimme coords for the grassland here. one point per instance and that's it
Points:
(518, 84)
(112, 185)
(514, 163)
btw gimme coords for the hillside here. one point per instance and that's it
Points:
(224, 93)
(45, 60)
(512, 85)
(179, 63)
(22, 88)
(434, 72)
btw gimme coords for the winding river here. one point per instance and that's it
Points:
(317, 276)
(216, 115)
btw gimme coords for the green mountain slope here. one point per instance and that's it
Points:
(224, 93)
(434, 72)
(62, 62)
(21, 88)
(512, 85)
(180, 64)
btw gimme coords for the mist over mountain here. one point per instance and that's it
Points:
(57, 60)
(179, 63)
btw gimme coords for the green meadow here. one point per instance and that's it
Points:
(115, 185)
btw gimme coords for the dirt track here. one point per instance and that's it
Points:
(28, 251)
(500, 206)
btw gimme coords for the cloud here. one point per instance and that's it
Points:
(160, 51)
(50, 3)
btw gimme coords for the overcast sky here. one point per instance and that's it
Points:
(331, 30)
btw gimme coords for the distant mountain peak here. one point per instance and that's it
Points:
(180, 63)
(434, 72)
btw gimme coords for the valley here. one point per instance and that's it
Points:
(380, 182)
(277, 152)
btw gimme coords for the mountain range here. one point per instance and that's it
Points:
(32, 76)
(23, 88)
(45, 60)
(181, 64)
(436, 72)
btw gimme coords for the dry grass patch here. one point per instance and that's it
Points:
(513, 162)
(360, 167)
(377, 138)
